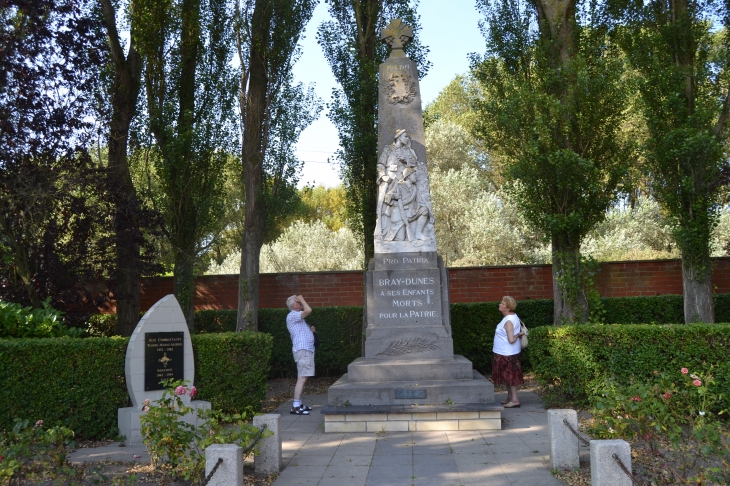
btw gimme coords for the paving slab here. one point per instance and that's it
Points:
(517, 454)
(469, 458)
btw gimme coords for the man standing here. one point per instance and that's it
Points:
(302, 338)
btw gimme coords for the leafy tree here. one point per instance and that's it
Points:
(326, 204)
(273, 112)
(351, 46)
(190, 93)
(641, 232)
(475, 226)
(312, 247)
(130, 218)
(553, 105)
(51, 208)
(454, 104)
(683, 65)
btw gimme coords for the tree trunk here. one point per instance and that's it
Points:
(128, 272)
(570, 304)
(185, 230)
(124, 91)
(557, 29)
(697, 288)
(254, 106)
(183, 285)
(22, 262)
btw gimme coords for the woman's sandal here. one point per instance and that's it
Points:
(306, 408)
(511, 405)
(299, 411)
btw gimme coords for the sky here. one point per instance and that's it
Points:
(448, 28)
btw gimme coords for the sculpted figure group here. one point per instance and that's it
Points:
(403, 213)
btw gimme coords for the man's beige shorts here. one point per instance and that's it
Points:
(305, 362)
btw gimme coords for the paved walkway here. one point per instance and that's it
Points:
(516, 455)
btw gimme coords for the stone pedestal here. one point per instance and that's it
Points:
(409, 357)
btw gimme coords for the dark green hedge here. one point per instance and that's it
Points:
(572, 360)
(232, 369)
(339, 330)
(80, 383)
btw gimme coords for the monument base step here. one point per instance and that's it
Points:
(373, 370)
(411, 418)
(424, 392)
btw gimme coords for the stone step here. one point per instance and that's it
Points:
(421, 392)
(364, 370)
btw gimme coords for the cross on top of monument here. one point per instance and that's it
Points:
(397, 34)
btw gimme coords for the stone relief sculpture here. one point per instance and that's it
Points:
(403, 214)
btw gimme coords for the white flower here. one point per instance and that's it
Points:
(702, 414)
(610, 429)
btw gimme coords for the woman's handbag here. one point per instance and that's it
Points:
(316, 340)
(523, 338)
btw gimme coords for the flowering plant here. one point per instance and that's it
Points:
(677, 407)
(29, 450)
(169, 439)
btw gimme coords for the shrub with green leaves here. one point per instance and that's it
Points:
(33, 453)
(17, 321)
(574, 363)
(169, 439)
(80, 383)
(340, 328)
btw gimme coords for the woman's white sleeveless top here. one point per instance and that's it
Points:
(501, 344)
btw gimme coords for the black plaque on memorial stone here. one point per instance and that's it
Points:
(164, 358)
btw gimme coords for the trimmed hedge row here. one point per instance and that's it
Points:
(573, 361)
(80, 383)
(340, 328)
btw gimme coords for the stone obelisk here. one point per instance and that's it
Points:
(409, 357)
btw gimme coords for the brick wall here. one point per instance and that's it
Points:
(616, 279)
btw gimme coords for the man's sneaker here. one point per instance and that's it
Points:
(306, 408)
(298, 411)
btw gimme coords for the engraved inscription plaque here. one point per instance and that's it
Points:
(410, 394)
(164, 358)
(405, 297)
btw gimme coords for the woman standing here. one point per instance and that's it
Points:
(506, 364)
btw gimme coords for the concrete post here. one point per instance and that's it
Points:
(564, 445)
(230, 472)
(605, 471)
(268, 459)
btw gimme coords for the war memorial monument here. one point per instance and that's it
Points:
(409, 379)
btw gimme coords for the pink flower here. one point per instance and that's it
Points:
(697, 383)
(145, 409)
(193, 391)
(181, 390)
(636, 398)
(39, 423)
(667, 395)
(684, 371)
(136, 456)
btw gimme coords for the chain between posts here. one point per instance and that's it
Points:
(255, 440)
(245, 453)
(623, 467)
(212, 471)
(565, 421)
